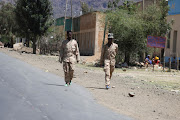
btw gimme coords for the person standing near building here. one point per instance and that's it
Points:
(69, 55)
(108, 57)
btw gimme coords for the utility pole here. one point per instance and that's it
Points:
(143, 5)
(164, 60)
(177, 57)
(72, 17)
(65, 18)
(81, 8)
(154, 1)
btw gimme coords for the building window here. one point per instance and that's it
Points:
(174, 41)
(168, 39)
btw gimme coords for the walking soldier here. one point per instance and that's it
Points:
(108, 57)
(69, 55)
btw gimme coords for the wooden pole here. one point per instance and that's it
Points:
(65, 18)
(72, 16)
(169, 64)
(143, 5)
(153, 65)
(154, 1)
(177, 61)
(160, 57)
(154, 59)
(164, 62)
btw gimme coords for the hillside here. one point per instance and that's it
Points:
(59, 6)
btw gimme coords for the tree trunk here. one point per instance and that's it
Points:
(11, 45)
(27, 40)
(127, 57)
(34, 45)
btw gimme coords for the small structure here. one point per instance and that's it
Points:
(143, 4)
(173, 38)
(88, 30)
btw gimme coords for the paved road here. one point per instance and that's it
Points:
(27, 93)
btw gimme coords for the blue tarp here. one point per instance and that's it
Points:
(156, 42)
(174, 7)
(60, 22)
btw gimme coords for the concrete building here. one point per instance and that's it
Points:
(20, 40)
(173, 38)
(88, 30)
(143, 4)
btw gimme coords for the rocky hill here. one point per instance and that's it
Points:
(59, 6)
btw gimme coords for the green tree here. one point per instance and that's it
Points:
(34, 18)
(110, 5)
(155, 19)
(91, 9)
(8, 25)
(113, 4)
(85, 8)
(131, 27)
(128, 31)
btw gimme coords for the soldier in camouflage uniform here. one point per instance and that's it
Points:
(69, 55)
(108, 57)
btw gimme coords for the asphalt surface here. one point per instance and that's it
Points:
(28, 93)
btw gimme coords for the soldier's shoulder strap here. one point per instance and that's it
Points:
(115, 44)
(73, 40)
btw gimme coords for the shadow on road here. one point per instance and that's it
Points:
(53, 84)
(96, 88)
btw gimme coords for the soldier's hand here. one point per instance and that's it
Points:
(60, 61)
(101, 63)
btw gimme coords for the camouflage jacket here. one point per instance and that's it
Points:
(69, 51)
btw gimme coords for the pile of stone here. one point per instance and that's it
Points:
(1, 45)
(18, 46)
(22, 49)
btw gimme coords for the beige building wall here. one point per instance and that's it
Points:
(100, 26)
(90, 36)
(146, 3)
(59, 29)
(174, 47)
(87, 34)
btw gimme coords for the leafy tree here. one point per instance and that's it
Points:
(131, 27)
(110, 5)
(128, 5)
(8, 25)
(164, 26)
(34, 18)
(85, 8)
(128, 31)
(91, 9)
(113, 4)
(155, 19)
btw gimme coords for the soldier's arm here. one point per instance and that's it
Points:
(117, 49)
(102, 55)
(61, 53)
(77, 53)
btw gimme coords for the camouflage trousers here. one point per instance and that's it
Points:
(68, 71)
(108, 69)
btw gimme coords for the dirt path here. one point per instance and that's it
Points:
(155, 96)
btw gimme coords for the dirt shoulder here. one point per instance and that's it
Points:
(156, 93)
